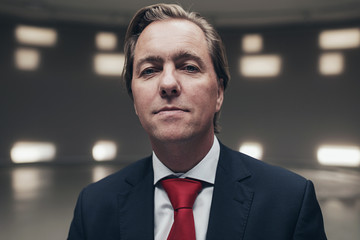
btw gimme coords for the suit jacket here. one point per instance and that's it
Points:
(251, 201)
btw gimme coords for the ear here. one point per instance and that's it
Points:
(220, 95)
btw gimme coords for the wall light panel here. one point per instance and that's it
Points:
(331, 63)
(106, 41)
(31, 152)
(332, 155)
(104, 150)
(27, 59)
(252, 149)
(252, 43)
(340, 39)
(37, 36)
(109, 64)
(260, 66)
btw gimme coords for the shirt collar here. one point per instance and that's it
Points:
(205, 170)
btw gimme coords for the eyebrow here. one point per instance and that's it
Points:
(177, 57)
(186, 55)
(147, 59)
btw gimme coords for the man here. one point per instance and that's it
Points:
(176, 73)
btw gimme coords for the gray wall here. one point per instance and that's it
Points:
(65, 102)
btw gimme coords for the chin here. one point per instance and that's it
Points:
(173, 136)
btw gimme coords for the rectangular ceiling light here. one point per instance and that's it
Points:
(347, 156)
(260, 66)
(331, 63)
(31, 152)
(110, 64)
(104, 151)
(106, 41)
(252, 149)
(340, 39)
(27, 59)
(252, 43)
(37, 36)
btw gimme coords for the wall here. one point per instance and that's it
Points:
(67, 103)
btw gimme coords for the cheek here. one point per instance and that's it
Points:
(212, 94)
(138, 101)
(143, 97)
(139, 104)
(206, 99)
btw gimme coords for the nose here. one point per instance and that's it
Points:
(169, 85)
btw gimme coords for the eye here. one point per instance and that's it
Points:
(147, 72)
(191, 69)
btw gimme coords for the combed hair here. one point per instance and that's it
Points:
(159, 12)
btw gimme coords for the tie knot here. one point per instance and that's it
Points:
(181, 192)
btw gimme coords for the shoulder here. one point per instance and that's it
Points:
(275, 193)
(123, 179)
(262, 174)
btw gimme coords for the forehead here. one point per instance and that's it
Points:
(166, 36)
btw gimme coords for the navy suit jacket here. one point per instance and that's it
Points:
(251, 201)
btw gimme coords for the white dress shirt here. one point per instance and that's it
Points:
(205, 171)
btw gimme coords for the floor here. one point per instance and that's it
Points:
(36, 202)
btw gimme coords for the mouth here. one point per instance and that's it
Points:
(170, 109)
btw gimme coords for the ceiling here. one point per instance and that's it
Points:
(220, 13)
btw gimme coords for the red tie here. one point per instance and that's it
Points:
(182, 194)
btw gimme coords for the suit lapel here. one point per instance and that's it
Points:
(231, 199)
(136, 206)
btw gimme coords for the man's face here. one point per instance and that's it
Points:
(174, 85)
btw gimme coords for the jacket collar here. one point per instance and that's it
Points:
(136, 205)
(232, 199)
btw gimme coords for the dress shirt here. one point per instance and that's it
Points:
(205, 171)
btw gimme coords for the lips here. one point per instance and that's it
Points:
(170, 109)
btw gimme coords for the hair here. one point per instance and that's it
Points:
(159, 12)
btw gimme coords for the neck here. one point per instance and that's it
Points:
(181, 156)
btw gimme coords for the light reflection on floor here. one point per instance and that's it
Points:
(36, 202)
